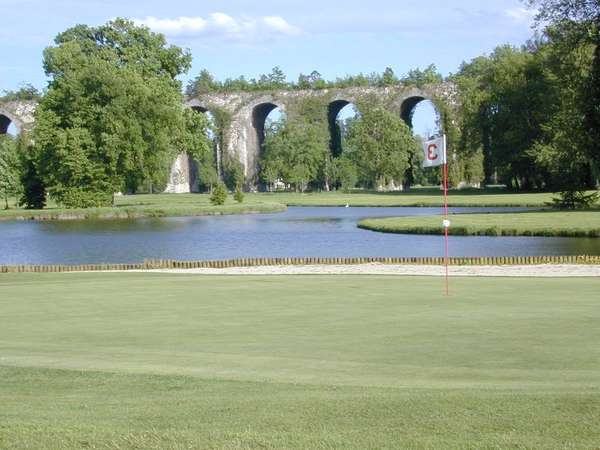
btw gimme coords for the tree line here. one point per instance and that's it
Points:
(206, 82)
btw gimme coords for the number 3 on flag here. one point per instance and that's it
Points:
(434, 152)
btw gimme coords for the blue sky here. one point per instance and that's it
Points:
(234, 37)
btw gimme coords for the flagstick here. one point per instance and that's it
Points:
(445, 170)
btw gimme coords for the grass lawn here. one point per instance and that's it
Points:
(159, 205)
(133, 360)
(547, 223)
(415, 197)
(156, 205)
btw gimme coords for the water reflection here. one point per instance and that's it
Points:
(297, 232)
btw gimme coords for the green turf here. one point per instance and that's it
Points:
(178, 361)
(157, 205)
(416, 197)
(546, 223)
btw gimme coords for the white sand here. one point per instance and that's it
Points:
(549, 270)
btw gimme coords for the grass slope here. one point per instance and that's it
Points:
(179, 361)
(547, 223)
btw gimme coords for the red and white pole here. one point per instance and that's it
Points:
(446, 222)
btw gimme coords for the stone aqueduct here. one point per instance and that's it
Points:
(247, 112)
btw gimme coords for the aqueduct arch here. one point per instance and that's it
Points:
(18, 113)
(6, 120)
(243, 114)
(244, 131)
(335, 132)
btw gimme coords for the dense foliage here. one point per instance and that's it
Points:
(219, 194)
(112, 118)
(533, 111)
(10, 183)
(377, 146)
(380, 145)
(26, 92)
(205, 82)
(295, 153)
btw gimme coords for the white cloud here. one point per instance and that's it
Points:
(221, 26)
(520, 14)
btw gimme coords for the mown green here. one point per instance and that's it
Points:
(545, 223)
(359, 362)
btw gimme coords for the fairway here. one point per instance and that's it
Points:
(176, 361)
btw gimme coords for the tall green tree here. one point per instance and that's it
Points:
(10, 169)
(112, 118)
(506, 99)
(380, 144)
(579, 23)
(418, 77)
(295, 153)
(562, 153)
(204, 83)
(195, 141)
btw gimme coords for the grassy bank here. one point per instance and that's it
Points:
(547, 223)
(178, 361)
(159, 205)
(416, 197)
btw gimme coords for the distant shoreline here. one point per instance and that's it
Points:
(137, 212)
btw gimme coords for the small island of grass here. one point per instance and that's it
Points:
(542, 223)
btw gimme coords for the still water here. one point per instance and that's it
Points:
(297, 232)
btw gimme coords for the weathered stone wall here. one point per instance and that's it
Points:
(243, 115)
(183, 178)
(19, 112)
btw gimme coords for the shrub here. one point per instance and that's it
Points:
(219, 194)
(238, 196)
(575, 200)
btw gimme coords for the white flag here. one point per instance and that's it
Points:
(435, 152)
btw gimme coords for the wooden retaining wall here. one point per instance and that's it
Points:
(253, 262)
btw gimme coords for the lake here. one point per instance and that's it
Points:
(301, 231)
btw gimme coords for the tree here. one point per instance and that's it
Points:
(26, 92)
(379, 143)
(219, 194)
(10, 169)
(506, 100)
(389, 78)
(238, 195)
(343, 173)
(277, 78)
(204, 83)
(233, 173)
(33, 188)
(296, 153)
(581, 20)
(562, 151)
(422, 77)
(195, 142)
(112, 118)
